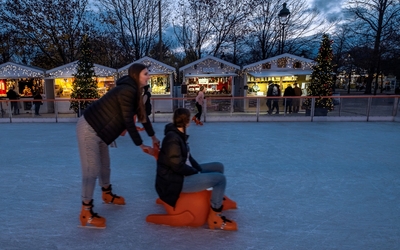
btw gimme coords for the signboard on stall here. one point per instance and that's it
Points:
(203, 81)
(208, 70)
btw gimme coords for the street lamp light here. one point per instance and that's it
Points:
(283, 16)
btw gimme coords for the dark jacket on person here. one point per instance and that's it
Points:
(38, 98)
(110, 115)
(147, 104)
(289, 91)
(171, 165)
(12, 95)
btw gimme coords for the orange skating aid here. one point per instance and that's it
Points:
(190, 210)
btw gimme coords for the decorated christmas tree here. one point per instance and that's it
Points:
(321, 78)
(84, 85)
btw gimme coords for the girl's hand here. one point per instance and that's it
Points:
(147, 149)
(155, 141)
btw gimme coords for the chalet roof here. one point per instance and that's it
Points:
(275, 58)
(15, 70)
(155, 67)
(209, 57)
(68, 70)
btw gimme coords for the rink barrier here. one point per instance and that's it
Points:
(228, 109)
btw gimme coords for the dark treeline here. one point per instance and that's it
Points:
(47, 34)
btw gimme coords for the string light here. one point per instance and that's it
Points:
(153, 66)
(290, 62)
(70, 69)
(13, 70)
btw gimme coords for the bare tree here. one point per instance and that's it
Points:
(380, 19)
(228, 19)
(192, 28)
(51, 28)
(135, 23)
(264, 39)
(9, 45)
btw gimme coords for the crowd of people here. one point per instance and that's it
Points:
(292, 105)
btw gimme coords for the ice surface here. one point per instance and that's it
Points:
(298, 186)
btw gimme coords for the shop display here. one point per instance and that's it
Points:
(160, 85)
(3, 88)
(212, 85)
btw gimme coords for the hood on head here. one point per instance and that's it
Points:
(125, 80)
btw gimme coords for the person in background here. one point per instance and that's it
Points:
(178, 171)
(12, 95)
(276, 92)
(146, 100)
(288, 101)
(199, 106)
(147, 103)
(38, 97)
(296, 101)
(269, 93)
(102, 123)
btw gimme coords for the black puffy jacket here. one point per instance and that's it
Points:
(171, 165)
(113, 113)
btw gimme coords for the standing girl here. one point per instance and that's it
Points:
(101, 123)
(199, 106)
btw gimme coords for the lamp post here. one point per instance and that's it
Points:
(283, 17)
(160, 31)
(350, 65)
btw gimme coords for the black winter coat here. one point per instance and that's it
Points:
(171, 165)
(113, 113)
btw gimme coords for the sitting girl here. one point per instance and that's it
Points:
(178, 172)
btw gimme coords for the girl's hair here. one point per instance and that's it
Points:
(134, 72)
(201, 88)
(181, 118)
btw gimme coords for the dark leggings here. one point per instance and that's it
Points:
(200, 110)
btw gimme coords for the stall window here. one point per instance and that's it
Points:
(28, 86)
(160, 85)
(3, 88)
(63, 87)
(212, 85)
(105, 84)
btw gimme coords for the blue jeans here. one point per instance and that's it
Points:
(211, 176)
(95, 159)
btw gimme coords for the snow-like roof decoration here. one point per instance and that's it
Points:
(206, 61)
(258, 70)
(68, 70)
(15, 70)
(155, 67)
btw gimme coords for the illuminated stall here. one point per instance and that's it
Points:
(284, 70)
(216, 75)
(59, 82)
(161, 82)
(25, 80)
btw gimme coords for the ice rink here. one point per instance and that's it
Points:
(298, 185)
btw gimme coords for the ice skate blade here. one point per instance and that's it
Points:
(113, 204)
(91, 227)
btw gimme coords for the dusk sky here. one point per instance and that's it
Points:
(329, 8)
